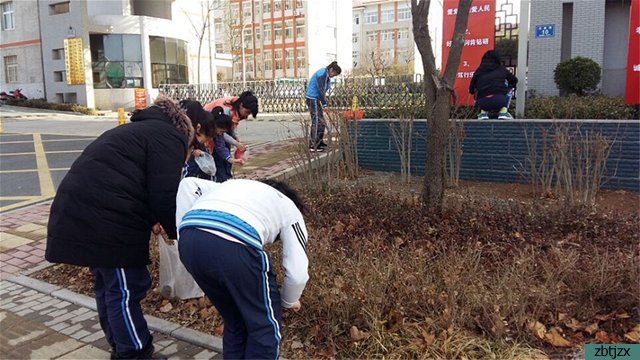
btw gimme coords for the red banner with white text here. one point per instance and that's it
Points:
(479, 38)
(632, 91)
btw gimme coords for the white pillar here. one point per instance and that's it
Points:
(521, 73)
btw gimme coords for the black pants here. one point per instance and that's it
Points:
(239, 281)
(118, 294)
(317, 122)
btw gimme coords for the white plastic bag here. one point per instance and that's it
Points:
(206, 163)
(175, 280)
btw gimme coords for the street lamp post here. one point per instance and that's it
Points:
(244, 77)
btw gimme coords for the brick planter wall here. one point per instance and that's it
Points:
(494, 150)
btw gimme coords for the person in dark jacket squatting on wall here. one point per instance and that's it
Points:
(223, 233)
(492, 84)
(122, 187)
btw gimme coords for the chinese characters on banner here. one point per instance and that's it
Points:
(479, 38)
(632, 91)
(74, 61)
(140, 98)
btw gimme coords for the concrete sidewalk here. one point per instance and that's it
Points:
(43, 321)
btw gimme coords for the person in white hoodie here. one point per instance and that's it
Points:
(222, 237)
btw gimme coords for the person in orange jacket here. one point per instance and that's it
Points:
(238, 108)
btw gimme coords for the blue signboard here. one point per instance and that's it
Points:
(545, 31)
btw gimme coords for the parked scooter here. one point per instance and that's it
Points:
(12, 95)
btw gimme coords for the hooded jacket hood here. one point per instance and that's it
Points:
(166, 109)
(490, 61)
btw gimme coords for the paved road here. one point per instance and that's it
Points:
(35, 154)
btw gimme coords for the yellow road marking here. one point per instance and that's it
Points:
(24, 203)
(46, 183)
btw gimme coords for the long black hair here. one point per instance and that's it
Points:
(334, 65)
(248, 100)
(199, 116)
(287, 191)
(221, 120)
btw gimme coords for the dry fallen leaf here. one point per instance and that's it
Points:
(428, 338)
(603, 337)
(296, 345)
(633, 335)
(538, 329)
(338, 228)
(358, 335)
(554, 338)
(574, 325)
(166, 308)
(591, 329)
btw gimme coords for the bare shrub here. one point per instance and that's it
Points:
(570, 163)
(402, 134)
(454, 151)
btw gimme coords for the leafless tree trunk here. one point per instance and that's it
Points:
(200, 28)
(438, 91)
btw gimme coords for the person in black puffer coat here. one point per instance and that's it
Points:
(492, 84)
(121, 187)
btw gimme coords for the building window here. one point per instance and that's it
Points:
(168, 61)
(299, 29)
(404, 13)
(58, 76)
(59, 8)
(57, 54)
(387, 35)
(277, 32)
(257, 34)
(11, 68)
(289, 58)
(301, 60)
(356, 19)
(354, 38)
(266, 6)
(287, 4)
(116, 61)
(288, 30)
(354, 57)
(403, 34)
(8, 22)
(249, 64)
(299, 5)
(235, 13)
(266, 30)
(267, 61)
(387, 16)
(277, 58)
(277, 6)
(246, 9)
(219, 48)
(371, 18)
(247, 38)
(371, 36)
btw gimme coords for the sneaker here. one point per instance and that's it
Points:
(505, 116)
(483, 116)
(316, 149)
(322, 144)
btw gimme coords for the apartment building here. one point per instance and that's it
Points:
(275, 39)
(120, 45)
(20, 46)
(382, 34)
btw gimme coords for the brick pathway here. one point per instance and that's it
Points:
(38, 326)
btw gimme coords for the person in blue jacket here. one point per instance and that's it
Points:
(317, 88)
